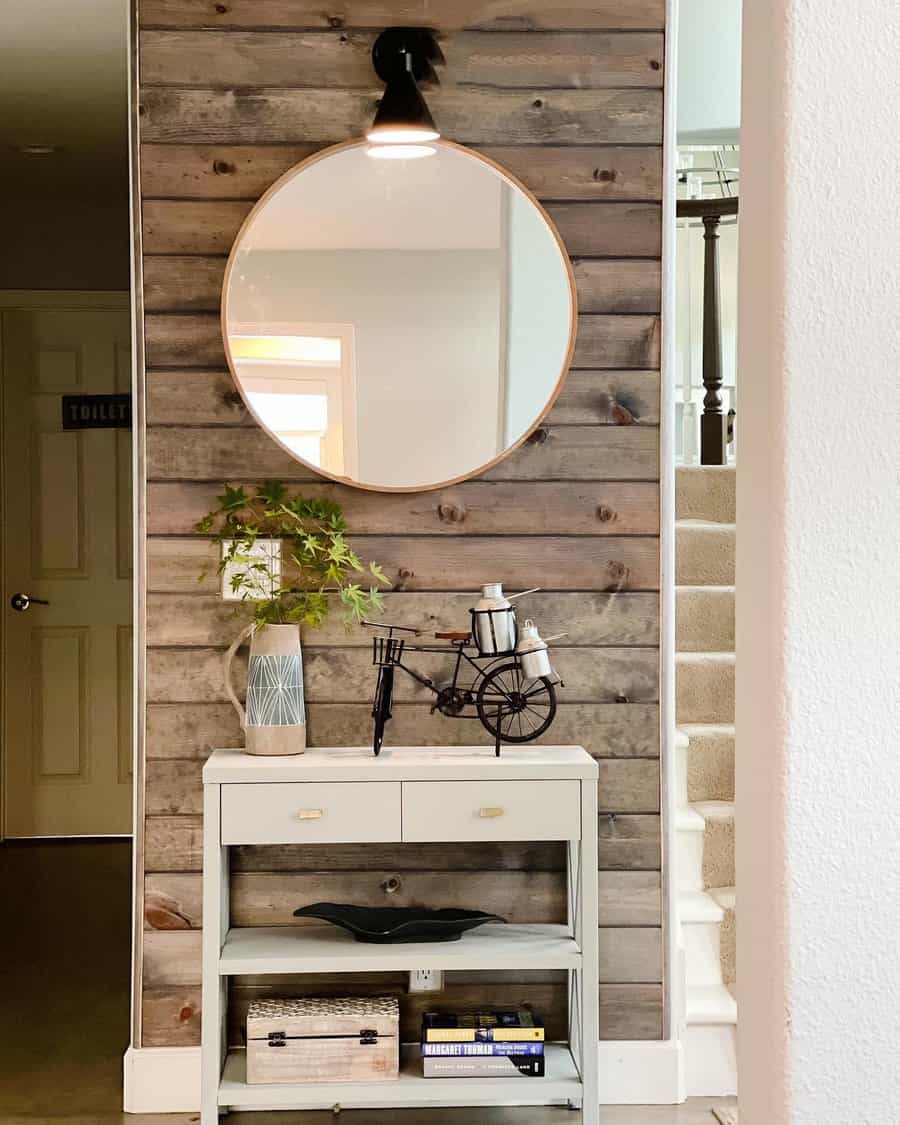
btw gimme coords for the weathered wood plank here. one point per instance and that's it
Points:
(469, 115)
(627, 843)
(336, 59)
(471, 508)
(605, 564)
(175, 844)
(269, 898)
(192, 620)
(626, 785)
(345, 675)
(567, 453)
(606, 730)
(602, 341)
(552, 172)
(589, 230)
(444, 15)
(171, 1016)
(206, 398)
(184, 283)
(173, 901)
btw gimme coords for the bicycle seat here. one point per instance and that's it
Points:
(453, 636)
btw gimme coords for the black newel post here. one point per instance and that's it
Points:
(714, 419)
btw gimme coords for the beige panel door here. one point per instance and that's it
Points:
(67, 541)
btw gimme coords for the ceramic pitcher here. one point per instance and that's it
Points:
(274, 721)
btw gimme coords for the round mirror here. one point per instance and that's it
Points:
(398, 324)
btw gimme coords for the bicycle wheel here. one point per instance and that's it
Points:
(526, 707)
(381, 708)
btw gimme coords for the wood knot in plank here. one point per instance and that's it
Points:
(222, 9)
(618, 574)
(620, 414)
(454, 512)
(655, 64)
(622, 699)
(186, 1014)
(391, 885)
(224, 168)
(162, 913)
(403, 577)
(605, 175)
(605, 514)
(233, 398)
(335, 21)
(538, 103)
(538, 436)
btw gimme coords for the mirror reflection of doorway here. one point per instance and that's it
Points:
(67, 547)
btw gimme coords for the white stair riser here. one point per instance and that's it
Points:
(704, 554)
(689, 860)
(702, 953)
(710, 1060)
(682, 757)
(705, 494)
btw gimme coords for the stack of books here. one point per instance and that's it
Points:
(483, 1045)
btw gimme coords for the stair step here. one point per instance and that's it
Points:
(705, 493)
(698, 908)
(724, 898)
(718, 842)
(704, 553)
(709, 761)
(704, 687)
(704, 618)
(711, 1005)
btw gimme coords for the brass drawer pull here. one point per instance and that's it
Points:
(489, 812)
(310, 814)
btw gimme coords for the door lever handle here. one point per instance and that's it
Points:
(21, 602)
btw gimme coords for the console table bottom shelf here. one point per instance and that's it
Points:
(561, 1083)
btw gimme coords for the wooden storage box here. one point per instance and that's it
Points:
(328, 1040)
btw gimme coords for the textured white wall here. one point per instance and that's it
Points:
(818, 708)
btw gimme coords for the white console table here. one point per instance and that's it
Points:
(346, 795)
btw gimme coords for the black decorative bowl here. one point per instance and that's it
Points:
(386, 925)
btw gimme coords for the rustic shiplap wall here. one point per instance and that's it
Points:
(567, 94)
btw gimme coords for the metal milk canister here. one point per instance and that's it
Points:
(532, 653)
(494, 621)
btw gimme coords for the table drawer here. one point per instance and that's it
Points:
(491, 810)
(311, 813)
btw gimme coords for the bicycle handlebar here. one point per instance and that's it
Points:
(388, 625)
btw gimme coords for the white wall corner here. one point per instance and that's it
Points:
(641, 1073)
(162, 1080)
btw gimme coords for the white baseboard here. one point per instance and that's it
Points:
(642, 1072)
(162, 1080)
(167, 1079)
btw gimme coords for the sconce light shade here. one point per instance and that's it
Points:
(403, 57)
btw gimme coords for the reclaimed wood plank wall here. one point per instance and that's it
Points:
(567, 94)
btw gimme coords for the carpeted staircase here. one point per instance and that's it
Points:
(705, 670)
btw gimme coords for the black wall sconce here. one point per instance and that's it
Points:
(403, 57)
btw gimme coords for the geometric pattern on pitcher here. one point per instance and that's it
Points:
(275, 691)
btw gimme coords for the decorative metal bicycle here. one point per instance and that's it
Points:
(512, 706)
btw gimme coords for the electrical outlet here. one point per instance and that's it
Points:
(426, 980)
